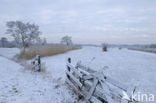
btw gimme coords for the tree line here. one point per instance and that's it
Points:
(26, 34)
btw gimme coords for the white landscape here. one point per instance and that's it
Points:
(19, 85)
(77, 51)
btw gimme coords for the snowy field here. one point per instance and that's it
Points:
(18, 85)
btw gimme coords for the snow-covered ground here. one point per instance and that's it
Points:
(132, 68)
(9, 52)
(18, 85)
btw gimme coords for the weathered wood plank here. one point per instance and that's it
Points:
(95, 100)
(99, 92)
(92, 89)
(87, 77)
(85, 68)
(74, 87)
(74, 69)
(74, 78)
(108, 79)
(116, 83)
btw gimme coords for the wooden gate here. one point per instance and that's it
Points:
(94, 86)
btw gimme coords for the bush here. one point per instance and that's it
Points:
(104, 47)
(120, 48)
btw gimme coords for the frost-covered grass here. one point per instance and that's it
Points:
(46, 50)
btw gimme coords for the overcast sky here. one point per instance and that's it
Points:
(87, 21)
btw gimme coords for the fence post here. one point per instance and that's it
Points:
(69, 61)
(68, 68)
(39, 63)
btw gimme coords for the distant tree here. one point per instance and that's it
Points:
(66, 40)
(44, 41)
(38, 41)
(4, 42)
(104, 47)
(23, 33)
(14, 44)
(152, 46)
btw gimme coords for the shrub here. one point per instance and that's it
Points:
(104, 47)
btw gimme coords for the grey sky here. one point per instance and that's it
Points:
(87, 21)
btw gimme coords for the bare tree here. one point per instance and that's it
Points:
(23, 33)
(66, 40)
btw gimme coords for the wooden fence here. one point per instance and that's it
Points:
(94, 86)
(36, 63)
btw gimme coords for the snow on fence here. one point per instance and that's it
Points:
(94, 86)
(36, 63)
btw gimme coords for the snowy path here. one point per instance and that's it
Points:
(21, 86)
